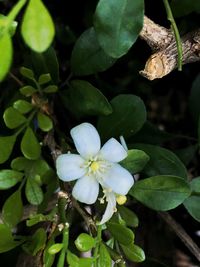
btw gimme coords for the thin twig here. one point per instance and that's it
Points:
(20, 83)
(178, 229)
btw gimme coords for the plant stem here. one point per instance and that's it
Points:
(98, 241)
(65, 241)
(176, 33)
(29, 119)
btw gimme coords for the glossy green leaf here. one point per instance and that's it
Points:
(44, 122)
(88, 57)
(6, 53)
(121, 233)
(129, 114)
(128, 216)
(27, 90)
(104, 259)
(13, 118)
(135, 161)
(55, 248)
(162, 192)
(36, 242)
(192, 202)
(9, 178)
(133, 253)
(37, 26)
(162, 161)
(118, 24)
(51, 89)
(23, 106)
(44, 78)
(85, 99)
(6, 150)
(13, 203)
(5, 22)
(7, 241)
(48, 259)
(33, 192)
(26, 72)
(84, 242)
(29, 145)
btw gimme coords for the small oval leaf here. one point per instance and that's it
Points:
(6, 53)
(84, 242)
(29, 145)
(44, 122)
(121, 233)
(23, 106)
(9, 178)
(6, 150)
(13, 203)
(37, 26)
(13, 118)
(33, 192)
(134, 253)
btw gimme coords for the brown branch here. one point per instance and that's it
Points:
(165, 59)
(178, 229)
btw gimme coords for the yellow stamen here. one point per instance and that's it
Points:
(121, 199)
(94, 166)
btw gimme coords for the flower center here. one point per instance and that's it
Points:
(94, 166)
(121, 199)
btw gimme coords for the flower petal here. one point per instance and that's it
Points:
(86, 140)
(86, 189)
(118, 179)
(110, 209)
(113, 151)
(70, 167)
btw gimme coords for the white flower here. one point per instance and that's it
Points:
(94, 165)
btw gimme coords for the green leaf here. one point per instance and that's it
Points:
(72, 259)
(44, 122)
(20, 164)
(7, 241)
(6, 150)
(84, 242)
(121, 233)
(27, 90)
(129, 114)
(85, 99)
(135, 161)
(50, 89)
(186, 154)
(128, 216)
(28, 73)
(44, 78)
(55, 248)
(46, 62)
(162, 161)
(29, 145)
(36, 242)
(13, 118)
(192, 202)
(86, 262)
(118, 24)
(6, 53)
(6, 24)
(133, 253)
(13, 203)
(186, 7)
(88, 57)
(23, 106)
(162, 192)
(9, 178)
(37, 26)
(104, 259)
(33, 192)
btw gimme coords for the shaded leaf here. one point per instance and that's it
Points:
(7, 241)
(128, 216)
(44, 122)
(121, 233)
(162, 192)
(118, 24)
(88, 57)
(13, 118)
(33, 192)
(9, 178)
(23, 106)
(104, 259)
(134, 253)
(6, 150)
(6, 53)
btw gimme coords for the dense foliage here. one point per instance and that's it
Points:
(68, 62)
